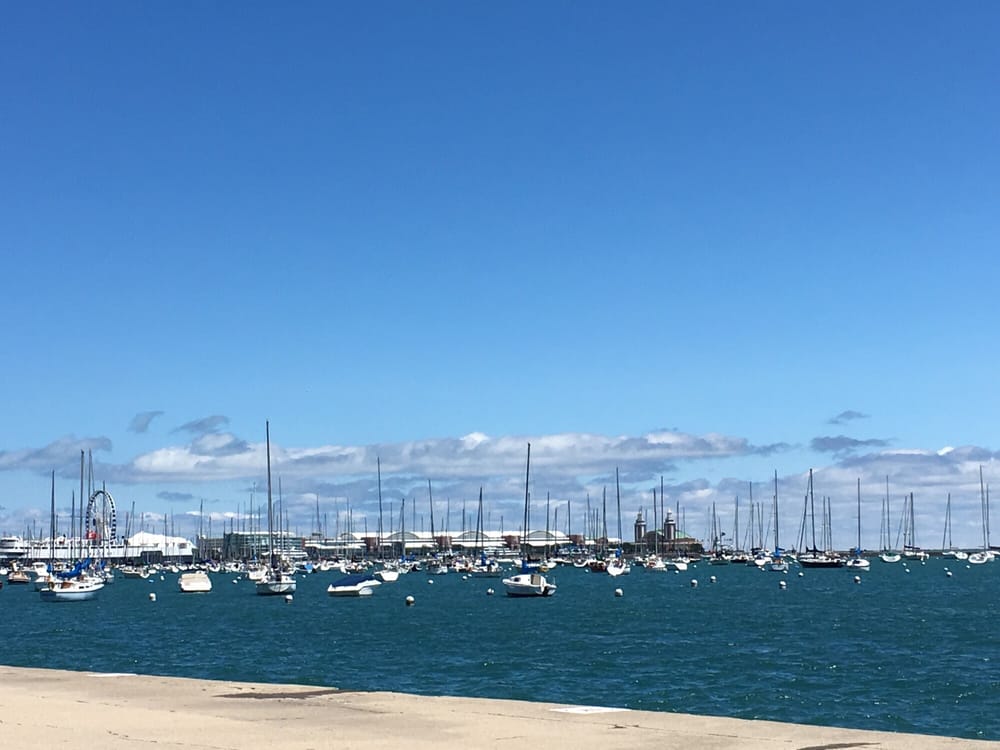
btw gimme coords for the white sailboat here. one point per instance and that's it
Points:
(276, 580)
(75, 585)
(618, 566)
(911, 551)
(986, 554)
(778, 562)
(857, 561)
(196, 581)
(948, 549)
(887, 555)
(527, 583)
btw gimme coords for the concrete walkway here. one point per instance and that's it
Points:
(52, 709)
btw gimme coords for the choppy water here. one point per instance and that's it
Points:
(902, 651)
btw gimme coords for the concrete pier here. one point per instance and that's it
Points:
(52, 709)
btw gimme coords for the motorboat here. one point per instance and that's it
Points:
(194, 582)
(528, 584)
(387, 575)
(360, 584)
(858, 563)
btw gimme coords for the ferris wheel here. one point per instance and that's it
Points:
(101, 519)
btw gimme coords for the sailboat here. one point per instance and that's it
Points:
(986, 554)
(887, 555)
(778, 563)
(857, 561)
(618, 566)
(69, 586)
(485, 566)
(527, 583)
(389, 573)
(275, 580)
(947, 548)
(910, 549)
(196, 581)
(814, 557)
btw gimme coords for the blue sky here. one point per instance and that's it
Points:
(388, 227)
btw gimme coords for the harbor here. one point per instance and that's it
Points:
(898, 648)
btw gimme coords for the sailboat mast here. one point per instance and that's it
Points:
(378, 468)
(776, 545)
(812, 509)
(618, 502)
(982, 504)
(524, 543)
(945, 544)
(52, 526)
(859, 515)
(430, 502)
(79, 535)
(270, 506)
(604, 516)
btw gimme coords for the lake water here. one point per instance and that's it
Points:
(907, 649)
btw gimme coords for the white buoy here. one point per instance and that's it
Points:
(676, 572)
(288, 598)
(162, 578)
(782, 584)
(465, 578)
(409, 601)
(489, 592)
(430, 580)
(712, 579)
(619, 592)
(948, 574)
(235, 581)
(801, 574)
(857, 579)
(694, 583)
(906, 569)
(152, 596)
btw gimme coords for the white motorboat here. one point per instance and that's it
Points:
(361, 584)
(528, 584)
(194, 582)
(387, 575)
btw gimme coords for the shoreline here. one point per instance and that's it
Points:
(42, 707)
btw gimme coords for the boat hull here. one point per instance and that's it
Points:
(275, 587)
(71, 591)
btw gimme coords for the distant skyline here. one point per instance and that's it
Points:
(707, 242)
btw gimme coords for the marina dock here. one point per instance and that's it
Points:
(51, 708)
